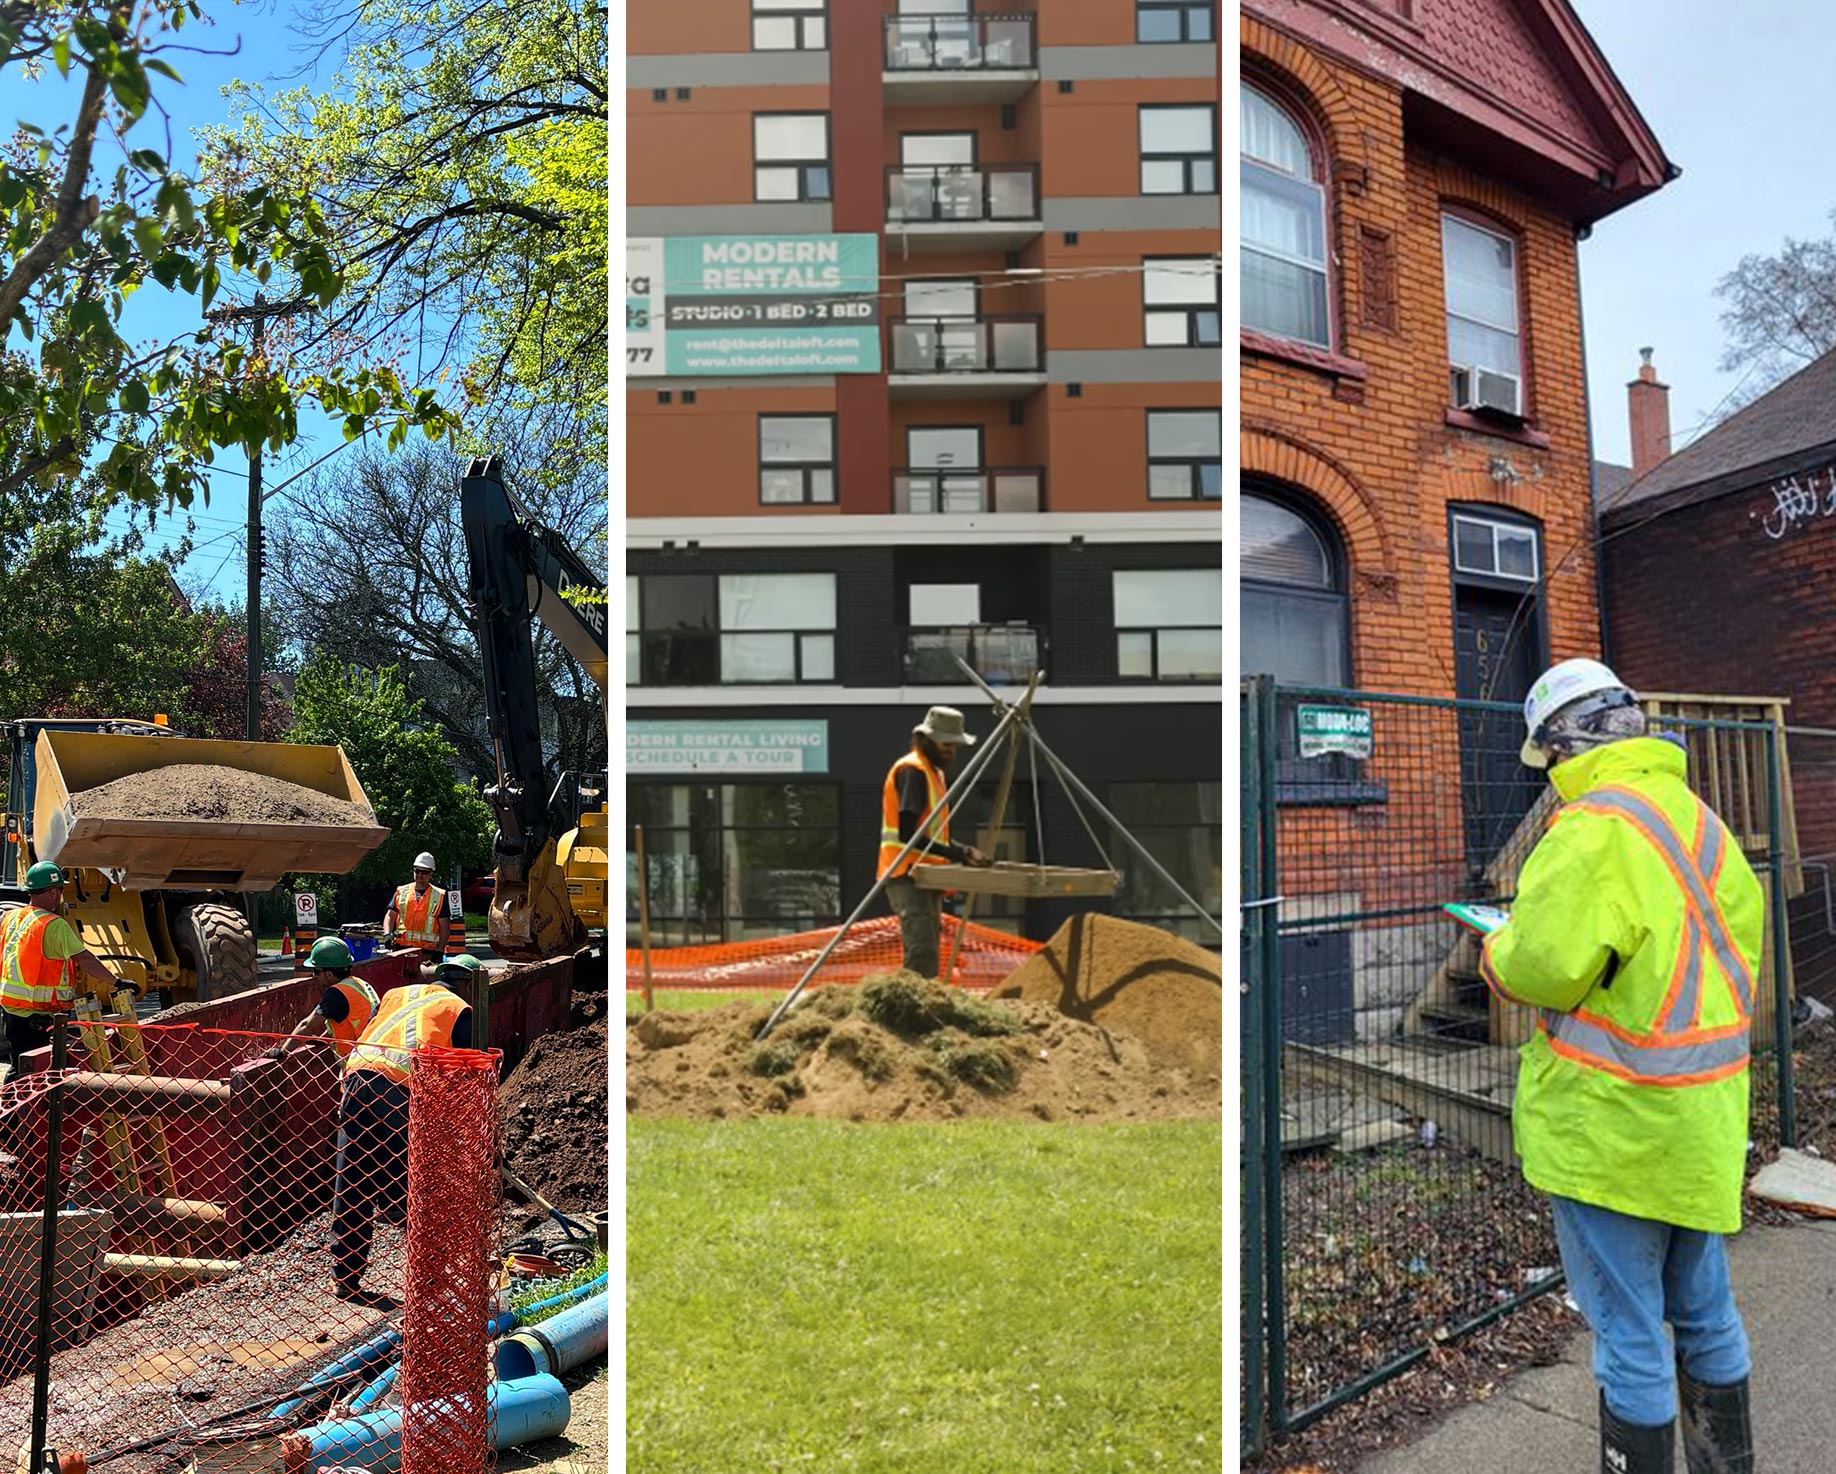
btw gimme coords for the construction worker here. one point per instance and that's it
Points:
(373, 1116)
(40, 957)
(345, 1007)
(417, 912)
(912, 802)
(1636, 935)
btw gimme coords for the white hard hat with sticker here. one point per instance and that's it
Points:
(1561, 685)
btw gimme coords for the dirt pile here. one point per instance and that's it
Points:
(1135, 980)
(210, 791)
(901, 1048)
(553, 1106)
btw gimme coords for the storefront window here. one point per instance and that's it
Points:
(1182, 826)
(732, 861)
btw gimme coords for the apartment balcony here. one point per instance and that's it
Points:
(965, 357)
(934, 60)
(952, 207)
(1005, 654)
(968, 490)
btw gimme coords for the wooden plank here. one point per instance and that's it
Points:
(1017, 880)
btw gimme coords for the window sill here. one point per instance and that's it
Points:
(1335, 795)
(1302, 355)
(1523, 434)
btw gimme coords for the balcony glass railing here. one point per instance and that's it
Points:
(957, 43)
(1008, 653)
(952, 194)
(957, 491)
(965, 345)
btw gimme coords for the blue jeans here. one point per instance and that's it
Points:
(1630, 1276)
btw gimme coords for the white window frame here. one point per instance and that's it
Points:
(1514, 331)
(1494, 526)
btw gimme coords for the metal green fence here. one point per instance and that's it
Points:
(1383, 1211)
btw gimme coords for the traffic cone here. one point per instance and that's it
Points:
(286, 941)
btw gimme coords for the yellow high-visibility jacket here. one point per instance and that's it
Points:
(1636, 934)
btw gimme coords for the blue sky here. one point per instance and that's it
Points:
(267, 51)
(1737, 94)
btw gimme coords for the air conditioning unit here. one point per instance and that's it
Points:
(1481, 390)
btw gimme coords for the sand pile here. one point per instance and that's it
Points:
(210, 791)
(1135, 980)
(901, 1048)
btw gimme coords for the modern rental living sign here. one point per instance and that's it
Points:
(752, 304)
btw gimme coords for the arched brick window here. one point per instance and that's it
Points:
(1285, 287)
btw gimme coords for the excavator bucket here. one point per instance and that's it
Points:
(188, 813)
(534, 919)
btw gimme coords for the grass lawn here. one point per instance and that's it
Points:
(982, 1297)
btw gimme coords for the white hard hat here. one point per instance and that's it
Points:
(1559, 686)
(423, 861)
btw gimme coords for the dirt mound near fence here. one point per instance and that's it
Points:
(210, 791)
(554, 1113)
(1132, 979)
(901, 1048)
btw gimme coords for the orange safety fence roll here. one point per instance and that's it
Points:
(984, 958)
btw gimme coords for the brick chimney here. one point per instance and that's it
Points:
(1648, 404)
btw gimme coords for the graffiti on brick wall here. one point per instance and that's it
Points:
(1796, 501)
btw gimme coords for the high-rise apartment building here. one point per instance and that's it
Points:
(923, 331)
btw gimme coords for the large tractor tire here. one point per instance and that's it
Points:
(221, 947)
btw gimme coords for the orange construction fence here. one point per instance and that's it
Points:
(984, 958)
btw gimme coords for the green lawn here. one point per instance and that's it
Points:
(982, 1298)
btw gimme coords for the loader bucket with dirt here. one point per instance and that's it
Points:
(186, 813)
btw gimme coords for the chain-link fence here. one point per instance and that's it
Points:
(1383, 1206)
(232, 1250)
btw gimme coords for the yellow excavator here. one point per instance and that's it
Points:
(157, 897)
(551, 849)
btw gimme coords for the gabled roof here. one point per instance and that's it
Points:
(1548, 107)
(1756, 443)
(1609, 483)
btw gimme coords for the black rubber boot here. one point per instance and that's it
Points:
(1717, 1426)
(1634, 1448)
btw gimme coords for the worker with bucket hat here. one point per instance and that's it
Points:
(417, 912)
(1636, 935)
(912, 803)
(40, 957)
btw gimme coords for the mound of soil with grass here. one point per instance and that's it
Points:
(1135, 980)
(553, 1106)
(210, 791)
(902, 1048)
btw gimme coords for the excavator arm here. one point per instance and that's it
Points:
(522, 571)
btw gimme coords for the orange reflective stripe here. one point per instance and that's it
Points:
(411, 1018)
(1639, 1072)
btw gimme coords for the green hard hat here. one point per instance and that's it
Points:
(464, 960)
(329, 952)
(42, 876)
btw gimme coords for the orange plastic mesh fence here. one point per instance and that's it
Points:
(452, 1210)
(985, 957)
(233, 1239)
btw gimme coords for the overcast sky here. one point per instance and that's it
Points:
(1739, 94)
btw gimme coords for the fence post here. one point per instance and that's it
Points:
(1781, 940)
(42, 1458)
(1250, 1165)
(1269, 957)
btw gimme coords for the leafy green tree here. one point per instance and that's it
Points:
(463, 153)
(407, 768)
(91, 213)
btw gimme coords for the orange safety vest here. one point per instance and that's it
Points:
(362, 999)
(420, 1016)
(31, 982)
(933, 824)
(418, 918)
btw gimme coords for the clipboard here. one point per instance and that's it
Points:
(1483, 919)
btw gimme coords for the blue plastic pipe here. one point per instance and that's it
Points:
(368, 1354)
(507, 1321)
(377, 1390)
(523, 1411)
(558, 1344)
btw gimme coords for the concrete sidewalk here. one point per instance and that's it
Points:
(1543, 1422)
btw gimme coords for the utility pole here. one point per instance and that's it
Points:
(255, 553)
